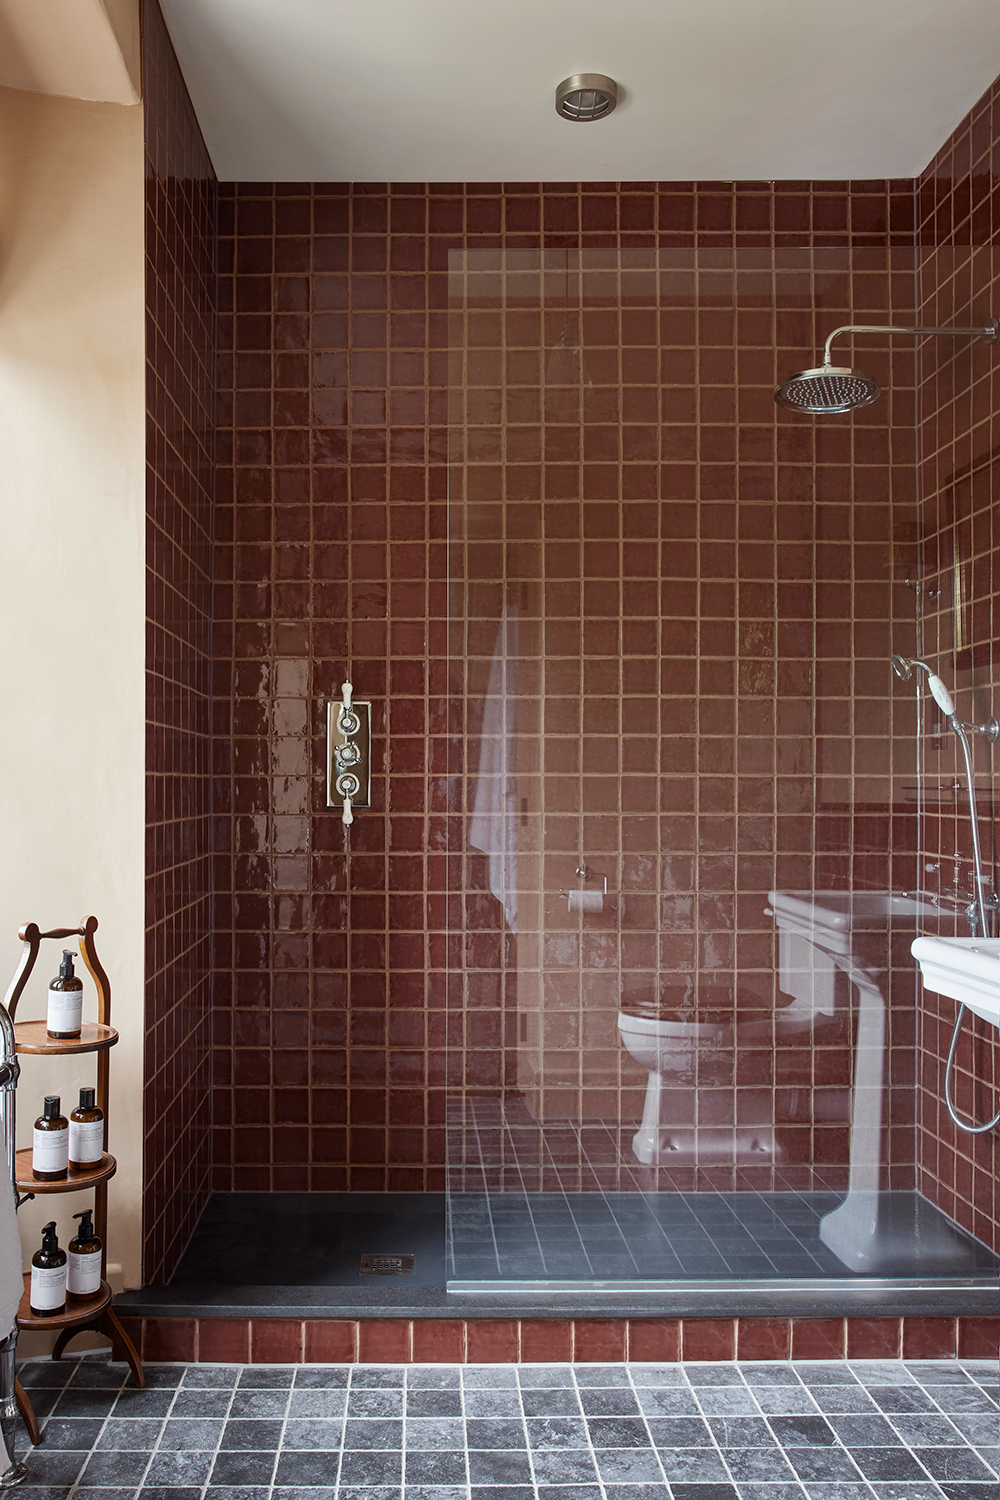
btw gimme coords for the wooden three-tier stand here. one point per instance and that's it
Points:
(31, 1038)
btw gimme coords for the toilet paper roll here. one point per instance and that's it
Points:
(585, 901)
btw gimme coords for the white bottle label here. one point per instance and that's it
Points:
(48, 1288)
(50, 1150)
(84, 1273)
(65, 1011)
(86, 1140)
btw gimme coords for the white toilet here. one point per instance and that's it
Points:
(669, 1049)
(682, 1056)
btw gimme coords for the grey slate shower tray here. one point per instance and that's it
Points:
(296, 1255)
(312, 1239)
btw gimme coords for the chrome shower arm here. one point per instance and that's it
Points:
(988, 333)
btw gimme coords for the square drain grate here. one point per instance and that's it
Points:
(386, 1265)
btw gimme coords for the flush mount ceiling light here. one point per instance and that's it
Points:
(586, 96)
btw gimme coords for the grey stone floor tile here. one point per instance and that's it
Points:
(322, 1404)
(122, 1467)
(569, 1466)
(187, 1470)
(322, 1377)
(693, 1465)
(433, 1377)
(193, 1403)
(496, 1467)
(627, 1465)
(187, 1432)
(827, 1464)
(944, 1464)
(757, 1464)
(490, 1377)
(556, 1432)
(211, 1377)
(493, 1403)
(266, 1377)
(315, 1433)
(377, 1377)
(436, 1432)
(435, 1466)
(377, 1403)
(254, 1403)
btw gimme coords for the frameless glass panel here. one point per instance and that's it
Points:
(682, 858)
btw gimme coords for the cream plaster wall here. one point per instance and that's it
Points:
(72, 597)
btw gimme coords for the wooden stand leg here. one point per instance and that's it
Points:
(27, 1413)
(63, 1340)
(122, 1346)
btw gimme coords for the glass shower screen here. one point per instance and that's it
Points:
(676, 789)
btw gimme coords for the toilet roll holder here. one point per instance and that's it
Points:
(585, 873)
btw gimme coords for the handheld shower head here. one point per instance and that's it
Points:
(903, 667)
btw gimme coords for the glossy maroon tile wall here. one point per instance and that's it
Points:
(958, 234)
(180, 352)
(341, 1017)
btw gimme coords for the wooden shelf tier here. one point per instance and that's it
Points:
(86, 1177)
(31, 1038)
(86, 1311)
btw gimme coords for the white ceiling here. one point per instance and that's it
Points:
(462, 90)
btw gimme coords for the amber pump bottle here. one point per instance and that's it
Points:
(64, 1015)
(86, 1133)
(84, 1273)
(50, 1143)
(48, 1276)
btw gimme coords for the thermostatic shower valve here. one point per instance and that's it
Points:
(348, 753)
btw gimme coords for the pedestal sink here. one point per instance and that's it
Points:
(964, 969)
(840, 925)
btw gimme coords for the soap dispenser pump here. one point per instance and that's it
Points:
(64, 1015)
(48, 1276)
(84, 1274)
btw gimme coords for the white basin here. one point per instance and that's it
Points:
(829, 917)
(964, 969)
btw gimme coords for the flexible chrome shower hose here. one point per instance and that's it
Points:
(984, 927)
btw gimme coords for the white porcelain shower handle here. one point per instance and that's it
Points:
(940, 694)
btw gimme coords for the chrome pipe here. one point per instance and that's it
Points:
(987, 333)
(11, 1472)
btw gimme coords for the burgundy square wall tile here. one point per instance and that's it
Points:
(384, 1341)
(654, 1339)
(708, 1338)
(438, 1341)
(600, 1340)
(763, 1338)
(275, 1341)
(167, 1338)
(546, 1341)
(224, 1340)
(979, 1338)
(874, 1338)
(491, 1341)
(329, 1341)
(930, 1338)
(818, 1338)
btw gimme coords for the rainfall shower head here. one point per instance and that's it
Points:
(828, 388)
(836, 388)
